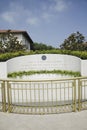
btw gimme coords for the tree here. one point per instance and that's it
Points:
(73, 42)
(41, 46)
(10, 43)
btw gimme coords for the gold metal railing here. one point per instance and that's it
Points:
(82, 89)
(43, 97)
(2, 96)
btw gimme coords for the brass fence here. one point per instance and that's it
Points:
(43, 97)
(82, 94)
(2, 96)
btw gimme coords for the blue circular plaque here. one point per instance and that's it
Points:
(44, 57)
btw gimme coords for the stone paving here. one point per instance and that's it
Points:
(65, 121)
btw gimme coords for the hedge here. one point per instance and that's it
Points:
(7, 56)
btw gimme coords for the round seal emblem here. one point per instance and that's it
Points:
(44, 57)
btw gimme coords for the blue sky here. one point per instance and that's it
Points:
(46, 21)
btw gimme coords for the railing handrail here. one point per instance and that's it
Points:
(42, 80)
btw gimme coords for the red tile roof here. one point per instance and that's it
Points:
(12, 31)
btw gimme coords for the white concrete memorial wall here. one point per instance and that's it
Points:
(43, 62)
(3, 69)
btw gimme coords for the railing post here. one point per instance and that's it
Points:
(8, 95)
(79, 95)
(74, 102)
(3, 97)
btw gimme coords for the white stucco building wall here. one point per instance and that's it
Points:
(22, 38)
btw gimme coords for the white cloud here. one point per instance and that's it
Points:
(18, 12)
(46, 16)
(32, 20)
(8, 16)
(53, 8)
(59, 5)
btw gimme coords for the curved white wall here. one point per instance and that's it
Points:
(35, 62)
(3, 69)
(52, 62)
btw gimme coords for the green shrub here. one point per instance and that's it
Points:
(7, 56)
(21, 73)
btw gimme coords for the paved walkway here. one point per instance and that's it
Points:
(66, 121)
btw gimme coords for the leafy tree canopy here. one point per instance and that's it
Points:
(76, 41)
(41, 46)
(10, 43)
